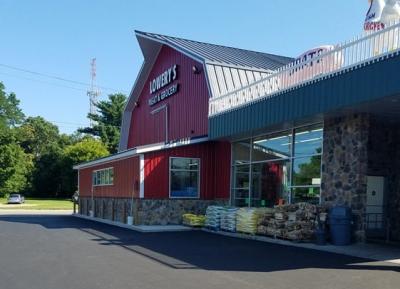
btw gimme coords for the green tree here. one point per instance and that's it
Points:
(108, 121)
(10, 113)
(38, 136)
(42, 140)
(86, 150)
(48, 174)
(15, 166)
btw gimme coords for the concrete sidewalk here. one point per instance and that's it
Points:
(139, 228)
(376, 252)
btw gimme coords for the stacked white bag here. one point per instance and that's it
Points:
(213, 217)
(228, 219)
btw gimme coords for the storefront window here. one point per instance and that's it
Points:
(307, 171)
(308, 141)
(270, 183)
(306, 179)
(306, 194)
(241, 185)
(184, 177)
(272, 148)
(278, 168)
(241, 152)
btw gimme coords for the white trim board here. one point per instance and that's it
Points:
(140, 150)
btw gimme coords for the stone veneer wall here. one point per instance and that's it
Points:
(146, 211)
(345, 165)
(355, 147)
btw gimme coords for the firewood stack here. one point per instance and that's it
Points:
(295, 222)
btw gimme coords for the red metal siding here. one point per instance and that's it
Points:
(126, 180)
(188, 108)
(214, 170)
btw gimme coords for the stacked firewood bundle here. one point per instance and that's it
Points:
(293, 222)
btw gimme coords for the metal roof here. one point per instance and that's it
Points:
(223, 55)
(226, 68)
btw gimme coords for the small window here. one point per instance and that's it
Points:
(111, 176)
(94, 178)
(103, 177)
(184, 178)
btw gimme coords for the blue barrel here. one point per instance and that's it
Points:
(340, 225)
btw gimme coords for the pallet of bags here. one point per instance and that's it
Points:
(228, 219)
(247, 220)
(193, 220)
(213, 217)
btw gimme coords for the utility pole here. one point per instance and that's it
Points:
(94, 92)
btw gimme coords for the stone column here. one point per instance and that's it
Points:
(345, 165)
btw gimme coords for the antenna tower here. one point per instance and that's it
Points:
(94, 92)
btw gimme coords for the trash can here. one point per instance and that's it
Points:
(340, 225)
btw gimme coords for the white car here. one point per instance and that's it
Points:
(16, 199)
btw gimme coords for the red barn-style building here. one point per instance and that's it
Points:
(166, 164)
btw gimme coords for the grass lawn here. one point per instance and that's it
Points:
(38, 204)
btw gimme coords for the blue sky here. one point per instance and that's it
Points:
(61, 37)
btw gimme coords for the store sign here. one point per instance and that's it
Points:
(381, 13)
(309, 64)
(160, 82)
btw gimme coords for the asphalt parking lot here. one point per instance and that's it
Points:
(49, 252)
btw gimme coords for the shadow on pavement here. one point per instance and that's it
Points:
(201, 250)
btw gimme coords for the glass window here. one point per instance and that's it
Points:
(241, 185)
(306, 194)
(184, 178)
(111, 176)
(103, 177)
(107, 177)
(94, 179)
(241, 197)
(270, 183)
(241, 152)
(308, 141)
(272, 148)
(284, 167)
(184, 164)
(307, 171)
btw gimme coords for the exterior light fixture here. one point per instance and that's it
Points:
(195, 69)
